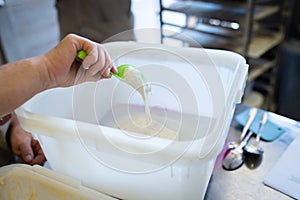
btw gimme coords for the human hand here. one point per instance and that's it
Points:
(24, 145)
(61, 66)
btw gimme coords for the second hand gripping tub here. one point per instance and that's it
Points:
(193, 93)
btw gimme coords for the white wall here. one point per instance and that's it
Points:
(147, 23)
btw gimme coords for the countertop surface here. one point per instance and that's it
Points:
(247, 184)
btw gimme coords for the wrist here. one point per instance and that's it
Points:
(45, 77)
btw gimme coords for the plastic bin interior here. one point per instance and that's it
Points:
(194, 92)
(20, 181)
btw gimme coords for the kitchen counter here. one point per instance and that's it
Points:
(244, 183)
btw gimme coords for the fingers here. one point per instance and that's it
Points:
(99, 63)
(24, 146)
(30, 152)
(59, 67)
(114, 70)
(39, 157)
(97, 60)
(91, 58)
(26, 152)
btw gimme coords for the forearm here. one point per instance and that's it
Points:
(19, 82)
(23, 79)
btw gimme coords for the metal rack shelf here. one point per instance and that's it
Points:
(252, 28)
(227, 12)
(260, 44)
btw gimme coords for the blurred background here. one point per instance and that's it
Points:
(265, 32)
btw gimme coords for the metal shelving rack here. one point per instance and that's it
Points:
(252, 28)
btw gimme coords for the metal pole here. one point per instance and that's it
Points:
(248, 27)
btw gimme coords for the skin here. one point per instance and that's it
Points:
(22, 79)
(24, 146)
(57, 68)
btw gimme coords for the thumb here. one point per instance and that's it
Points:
(26, 152)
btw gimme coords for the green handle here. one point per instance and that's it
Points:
(121, 69)
(81, 54)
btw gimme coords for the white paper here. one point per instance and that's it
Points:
(285, 175)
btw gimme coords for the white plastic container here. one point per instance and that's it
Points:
(194, 92)
(20, 181)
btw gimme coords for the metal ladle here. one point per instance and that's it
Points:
(254, 153)
(235, 157)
